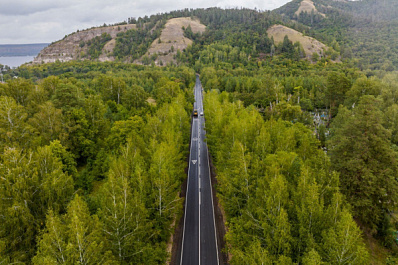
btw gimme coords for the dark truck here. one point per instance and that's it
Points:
(195, 113)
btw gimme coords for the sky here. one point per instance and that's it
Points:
(45, 21)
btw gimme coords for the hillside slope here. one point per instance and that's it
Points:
(366, 30)
(310, 45)
(172, 39)
(70, 48)
(307, 6)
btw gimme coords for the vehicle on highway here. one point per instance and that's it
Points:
(201, 113)
(195, 113)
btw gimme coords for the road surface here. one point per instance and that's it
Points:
(199, 243)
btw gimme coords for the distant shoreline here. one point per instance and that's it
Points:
(11, 50)
(16, 61)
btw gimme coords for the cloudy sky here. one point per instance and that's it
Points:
(45, 21)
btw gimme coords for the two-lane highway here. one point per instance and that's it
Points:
(199, 243)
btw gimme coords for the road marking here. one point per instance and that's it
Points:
(195, 139)
(194, 161)
(212, 204)
(199, 191)
(186, 201)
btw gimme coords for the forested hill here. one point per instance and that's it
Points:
(366, 31)
(361, 32)
(178, 37)
(304, 148)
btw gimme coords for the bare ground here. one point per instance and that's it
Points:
(173, 35)
(307, 6)
(309, 44)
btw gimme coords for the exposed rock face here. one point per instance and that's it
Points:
(310, 45)
(308, 6)
(172, 38)
(69, 48)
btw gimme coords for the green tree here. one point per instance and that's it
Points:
(363, 86)
(135, 97)
(76, 238)
(124, 217)
(337, 86)
(52, 246)
(67, 96)
(20, 90)
(342, 244)
(31, 184)
(312, 258)
(48, 122)
(360, 151)
(14, 130)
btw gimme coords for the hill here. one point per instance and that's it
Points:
(307, 6)
(366, 30)
(310, 45)
(77, 45)
(356, 31)
(172, 39)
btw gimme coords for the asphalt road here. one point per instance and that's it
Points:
(199, 243)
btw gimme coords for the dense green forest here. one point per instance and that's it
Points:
(93, 154)
(262, 121)
(278, 190)
(90, 171)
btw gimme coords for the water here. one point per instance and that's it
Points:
(15, 61)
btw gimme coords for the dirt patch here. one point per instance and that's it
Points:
(307, 6)
(172, 39)
(310, 45)
(151, 101)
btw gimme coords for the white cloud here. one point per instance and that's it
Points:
(39, 21)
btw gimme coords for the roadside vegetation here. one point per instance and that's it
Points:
(92, 155)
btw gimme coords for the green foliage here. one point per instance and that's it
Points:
(361, 152)
(278, 191)
(14, 130)
(95, 45)
(76, 238)
(135, 42)
(89, 130)
(32, 183)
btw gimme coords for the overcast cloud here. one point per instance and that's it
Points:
(45, 21)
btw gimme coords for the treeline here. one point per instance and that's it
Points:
(91, 164)
(279, 192)
(301, 84)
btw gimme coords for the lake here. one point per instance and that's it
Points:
(15, 61)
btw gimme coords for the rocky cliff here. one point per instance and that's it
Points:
(70, 47)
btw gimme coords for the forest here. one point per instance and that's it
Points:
(305, 152)
(90, 170)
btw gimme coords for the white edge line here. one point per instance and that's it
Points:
(186, 194)
(212, 204)
(199, 180)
